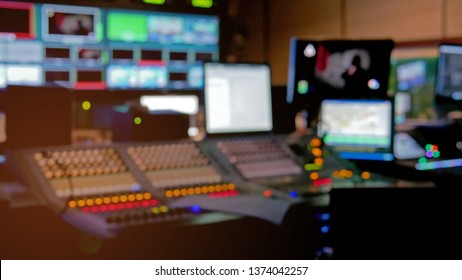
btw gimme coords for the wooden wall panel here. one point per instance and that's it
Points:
(453, 19)
(301, 18)
(400, 20)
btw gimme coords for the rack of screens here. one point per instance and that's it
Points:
(358, 129)
(104, 48)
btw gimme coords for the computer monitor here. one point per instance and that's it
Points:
(358, 129)
(333, 69)
(449, 81)
(413, 81)
(448, 88)
(237, 98)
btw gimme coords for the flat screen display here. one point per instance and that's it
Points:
(333, 69)
(237, 98)
(358, 129)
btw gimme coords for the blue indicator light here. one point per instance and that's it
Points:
(195, 209)
(293, 194)
(325, 229)
(323, 216)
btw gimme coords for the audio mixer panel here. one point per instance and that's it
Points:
(98, 189)
(101, 189)
(180, 169)
(270, 163)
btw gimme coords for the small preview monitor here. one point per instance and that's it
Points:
(358, 129)
(449, 81)
(413, 81)
(237, 98)
(17, 19)
(62, 23)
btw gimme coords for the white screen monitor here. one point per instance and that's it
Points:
(237, 98)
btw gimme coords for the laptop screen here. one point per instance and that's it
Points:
(237, 98)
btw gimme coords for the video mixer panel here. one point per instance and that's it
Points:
(102, 189)
(180, 169)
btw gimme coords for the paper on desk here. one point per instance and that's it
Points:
(269, 209)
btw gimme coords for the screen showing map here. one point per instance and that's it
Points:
(358, 129)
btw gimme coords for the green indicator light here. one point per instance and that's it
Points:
(312, 167)
(155, 2)
(428, 147)
(436, 154)
(137, 120)
(202, 3)
(422, 160)
(302, 87)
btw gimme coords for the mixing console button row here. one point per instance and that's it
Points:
(198, 190)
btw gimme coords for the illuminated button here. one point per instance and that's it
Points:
(190, 191)
(184, 192)
(123, 198)
(115, 199)
(267, 193)
(168, 193)
(147, 196)
(107, 200)
(81, 203)
(163, 209)
(155, 210)
(139, 196)
(176, 193)
(98, 201)
(316, 152)
(365, 175)
(293, 194)
(211, 189)
(204, 189)
(72, 204)
(314, 176)
(315, 142)
(86, 105)
(231, 187)
(90, 202)
(131, 197)
(319, 161)
(137, 120)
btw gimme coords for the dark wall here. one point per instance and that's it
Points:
(37, 117)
